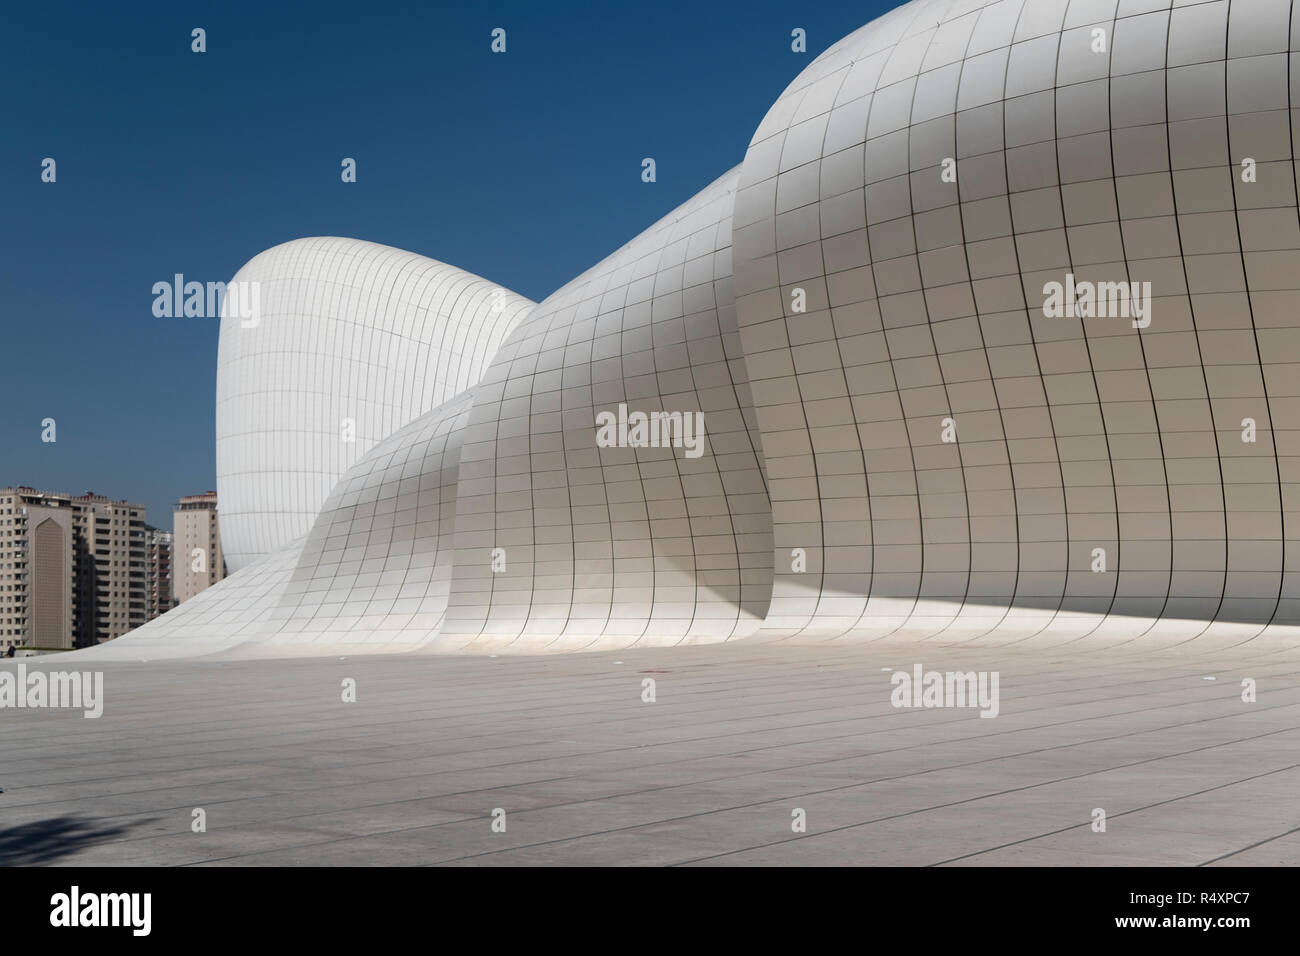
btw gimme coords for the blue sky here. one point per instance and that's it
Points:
(523, 167)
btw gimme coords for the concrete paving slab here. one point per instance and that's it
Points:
(738, 737)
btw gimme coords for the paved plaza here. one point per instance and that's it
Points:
(738, 738)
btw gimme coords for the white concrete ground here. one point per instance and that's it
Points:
(739, 737)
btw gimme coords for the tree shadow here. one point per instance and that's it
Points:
(43, 841)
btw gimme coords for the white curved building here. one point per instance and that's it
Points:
(351, 341)
(616, 546)
(994, 334)
(1100, 484)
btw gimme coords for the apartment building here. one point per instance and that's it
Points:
(111, 580)
(72, 568)
(158, 571)
(196, 538)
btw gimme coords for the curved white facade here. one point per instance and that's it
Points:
(900, 439)
(1098, 141)
(618, 546)
(351, 341)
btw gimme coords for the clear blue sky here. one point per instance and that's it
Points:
(523, 167)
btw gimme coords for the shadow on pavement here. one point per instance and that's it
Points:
(44, 841)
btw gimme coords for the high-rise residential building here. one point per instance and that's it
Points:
(72, 568)
(158, 571)
(111, 576)
(196, 540)
(36, 568)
